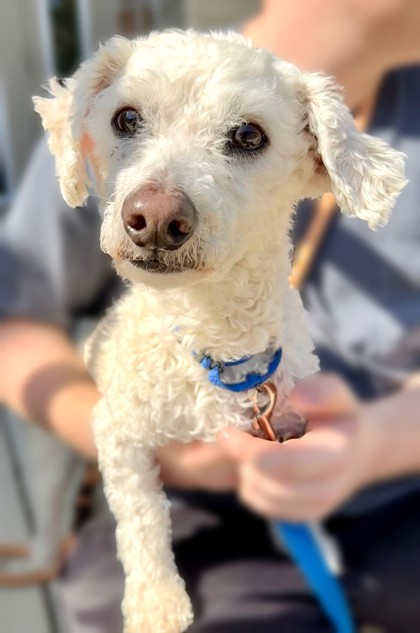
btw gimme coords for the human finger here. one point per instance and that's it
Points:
(300, 501)
(325, 396)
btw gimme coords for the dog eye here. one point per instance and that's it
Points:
(248, 137)
(126, 122)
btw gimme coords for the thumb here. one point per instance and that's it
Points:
(324, 396)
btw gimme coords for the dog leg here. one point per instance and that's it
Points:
(155, 599)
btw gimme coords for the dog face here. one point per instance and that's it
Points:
(201, 146)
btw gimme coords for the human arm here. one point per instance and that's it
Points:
(44, 380)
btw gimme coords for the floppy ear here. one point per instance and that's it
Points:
(57, 115)
(363, 172)
(63, 116)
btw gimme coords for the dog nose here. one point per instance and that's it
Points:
(158, 219)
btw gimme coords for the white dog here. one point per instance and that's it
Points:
(202, 146)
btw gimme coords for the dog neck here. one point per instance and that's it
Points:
(236, 315)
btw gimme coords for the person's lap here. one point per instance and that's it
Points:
(240, 583)
(237, 581)
(382, 557)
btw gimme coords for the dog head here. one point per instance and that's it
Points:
(201, 146)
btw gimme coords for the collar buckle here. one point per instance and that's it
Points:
(261, 421)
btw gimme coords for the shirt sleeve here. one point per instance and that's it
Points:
(51, 266)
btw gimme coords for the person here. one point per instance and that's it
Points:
(358, 466)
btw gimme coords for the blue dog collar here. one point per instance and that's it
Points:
(241, 375)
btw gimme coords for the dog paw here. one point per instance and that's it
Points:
(157, 608)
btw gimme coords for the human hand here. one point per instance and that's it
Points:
(199, 465)
(306, 479)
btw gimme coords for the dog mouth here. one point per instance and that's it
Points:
(156, 265)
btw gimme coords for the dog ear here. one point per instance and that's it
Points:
(363, 172)
(57, 115)
(63, 116)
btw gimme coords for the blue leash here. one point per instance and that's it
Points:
(304, 549)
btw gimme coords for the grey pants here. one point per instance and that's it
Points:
(240, 583)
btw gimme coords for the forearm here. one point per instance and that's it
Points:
(44, 380)
(397, 420)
